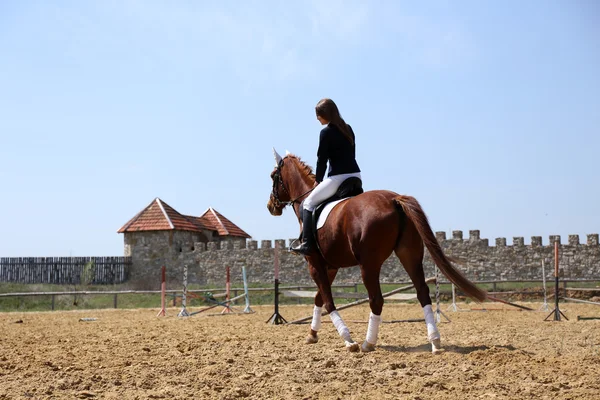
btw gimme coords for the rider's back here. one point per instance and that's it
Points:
(338, 150)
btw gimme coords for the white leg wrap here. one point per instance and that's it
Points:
(373, 330)
(316, 320)
(340, 326)
(432, 331)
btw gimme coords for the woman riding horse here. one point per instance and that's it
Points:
(364, 230)
(336, 146)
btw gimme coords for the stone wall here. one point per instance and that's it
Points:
(150, 250)
(207, 261)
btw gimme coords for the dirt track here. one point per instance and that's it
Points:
(133, 354)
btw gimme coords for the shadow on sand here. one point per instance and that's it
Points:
(426, 348)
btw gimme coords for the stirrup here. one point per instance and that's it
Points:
(294, 244)
(303, 248)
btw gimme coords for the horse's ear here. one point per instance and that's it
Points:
(287, 153)
(278, 158)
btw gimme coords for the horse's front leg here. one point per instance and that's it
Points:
(318, 310)
(318, 271)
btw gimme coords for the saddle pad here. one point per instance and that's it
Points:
(326, 210)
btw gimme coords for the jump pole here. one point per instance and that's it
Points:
(453, 306)
(438, 311)
(362, 301)
(557, 313)
(509, 303)
(544, 306)
(582, 301)
(184, 311)
(163, 292)
(227, 308)
(276, 318)
(219, 303)
(247, 310)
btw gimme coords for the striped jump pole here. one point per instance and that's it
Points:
(184, 312)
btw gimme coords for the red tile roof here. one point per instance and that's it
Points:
(222, 225)
(201, 222)
(159, 216)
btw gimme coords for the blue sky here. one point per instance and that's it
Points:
(487, 112)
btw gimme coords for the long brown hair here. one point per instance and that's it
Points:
(328, 110)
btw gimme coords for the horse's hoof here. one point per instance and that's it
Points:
(310, 339)
(367, 347)
(436, 346)
(352, 347)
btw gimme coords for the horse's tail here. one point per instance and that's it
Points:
(415, 213)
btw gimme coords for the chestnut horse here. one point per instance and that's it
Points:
(364, 230)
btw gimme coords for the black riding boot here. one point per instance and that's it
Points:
(308, 241)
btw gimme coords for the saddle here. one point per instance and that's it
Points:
(349, 188)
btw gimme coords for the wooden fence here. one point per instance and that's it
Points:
(65, 270)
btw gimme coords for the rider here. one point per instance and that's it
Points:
(336, 145)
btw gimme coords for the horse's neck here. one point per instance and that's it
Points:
(300, 186)
(300, 182)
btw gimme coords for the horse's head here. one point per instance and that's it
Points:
(292, 181)
(280, 197)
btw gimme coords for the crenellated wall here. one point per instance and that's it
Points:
(207, 261)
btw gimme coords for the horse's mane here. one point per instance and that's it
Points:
(304, 167)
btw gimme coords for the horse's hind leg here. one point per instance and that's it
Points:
(410, 251)
(318, 310)
(370, 277)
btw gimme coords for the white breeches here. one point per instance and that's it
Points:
(326, 189)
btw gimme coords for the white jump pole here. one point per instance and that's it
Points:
(163, 292)
(184, 311)
(545, 305)
(247, 310)
(453, 306)
(438, 311)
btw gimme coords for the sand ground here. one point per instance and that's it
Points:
(133, 354)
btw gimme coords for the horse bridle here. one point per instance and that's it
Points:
(275, 192)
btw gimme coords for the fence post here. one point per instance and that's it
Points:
(115, 301)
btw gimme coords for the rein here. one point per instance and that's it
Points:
(275, 193)
(302, 195)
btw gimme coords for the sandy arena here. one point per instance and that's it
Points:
(132, 354)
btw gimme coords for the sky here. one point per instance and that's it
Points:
(487, 112)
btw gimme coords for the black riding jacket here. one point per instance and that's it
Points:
(337, 149)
